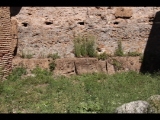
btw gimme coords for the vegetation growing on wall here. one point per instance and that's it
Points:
(117, 65)
(53, 56)
(102, 56)
(134, 54)
(119, 50)
(84, 46)
(26, 54)
(52, 64)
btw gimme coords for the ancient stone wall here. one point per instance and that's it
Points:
(77, 66)
(44, 30)
(5, 42)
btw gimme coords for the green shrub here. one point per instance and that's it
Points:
(84, 46)
(119, 50)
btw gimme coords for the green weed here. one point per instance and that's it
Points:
(84, 46)
(119, 50)
(53, 56)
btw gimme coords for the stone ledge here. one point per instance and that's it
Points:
(73, 66)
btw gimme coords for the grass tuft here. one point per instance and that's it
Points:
(119, 50)
(84, 46)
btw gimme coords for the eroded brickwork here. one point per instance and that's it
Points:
(5, 42)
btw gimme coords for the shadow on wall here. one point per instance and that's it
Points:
(14, 10)
(151, 58)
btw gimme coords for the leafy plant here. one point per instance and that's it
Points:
(119, 50)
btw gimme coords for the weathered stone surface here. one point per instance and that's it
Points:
(133, 63)
(123, 12)
(134, 107)
(119, 64)
(45, 30)
(110, 68)
(72, 66)
(30, 64)
(86, 65)
(65, 67)
(102, 66)
(154, 102)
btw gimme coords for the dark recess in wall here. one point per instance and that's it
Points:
(48, 23)
(25, 24)
(14, 10)
(81, 23)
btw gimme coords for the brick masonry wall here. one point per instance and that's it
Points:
(5, 42)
